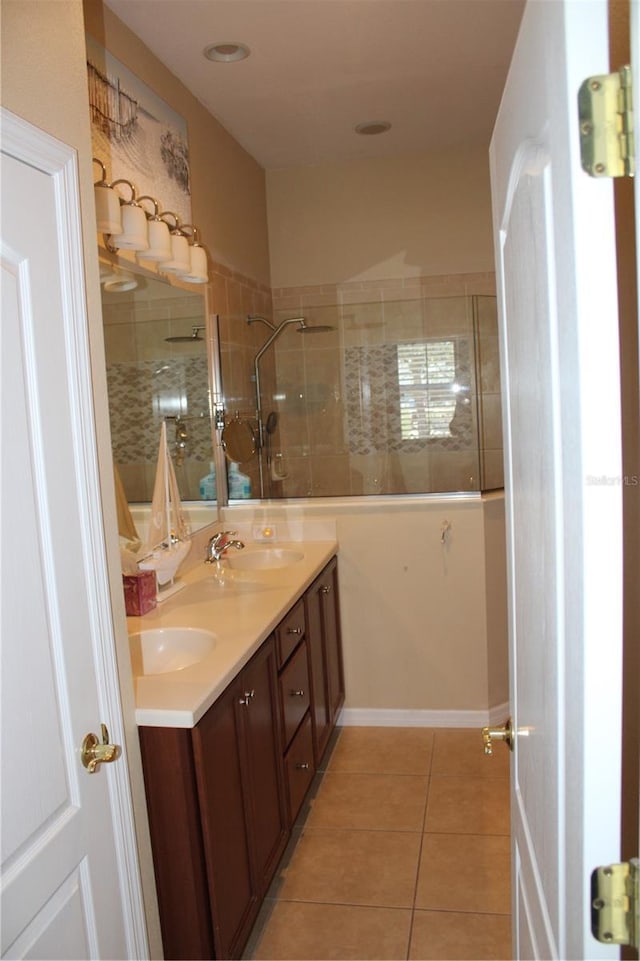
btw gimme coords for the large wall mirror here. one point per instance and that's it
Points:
(155, 335)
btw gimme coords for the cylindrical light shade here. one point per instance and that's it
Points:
(118, 281)
(134, 235)
(107, 209)
(159, 243)
(180, 262)
(198, 270)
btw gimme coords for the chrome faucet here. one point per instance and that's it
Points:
(220, 544)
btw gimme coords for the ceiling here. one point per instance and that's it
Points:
(434, 69)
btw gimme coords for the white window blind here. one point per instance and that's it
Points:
(427, 381)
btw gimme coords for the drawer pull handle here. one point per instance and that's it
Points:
(248, 696)
(299, 693)
(294, 630)
(302, 766)
(325, 589)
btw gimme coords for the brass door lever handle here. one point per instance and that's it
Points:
(94, 752)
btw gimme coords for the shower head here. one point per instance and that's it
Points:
(186, 338)
(314, 329)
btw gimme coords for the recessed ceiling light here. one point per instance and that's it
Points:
(226, 51)
(371, 127)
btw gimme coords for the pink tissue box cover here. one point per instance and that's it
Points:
(139, 592)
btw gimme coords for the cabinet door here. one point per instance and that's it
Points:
(178, 858)
(332, 640)
(320, 719)
(263, 763)
(233, 892)
(325, 654)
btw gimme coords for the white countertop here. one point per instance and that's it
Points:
(242, 608)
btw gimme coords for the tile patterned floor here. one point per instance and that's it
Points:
(402, 852)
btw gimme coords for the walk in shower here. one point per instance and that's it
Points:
(392, 397)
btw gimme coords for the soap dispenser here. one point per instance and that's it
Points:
(208, 484)
(239, 483)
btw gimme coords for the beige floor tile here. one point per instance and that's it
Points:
(334, 932)
(468, 805)
(461, 752)
(353, 867)
(461, 872)
(447, 936)
(370, 802)
(383, 750)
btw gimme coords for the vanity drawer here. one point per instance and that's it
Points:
(290, 632)
(299, 767)
(294, 693)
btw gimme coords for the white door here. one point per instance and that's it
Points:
(70, 885)
(554, 230)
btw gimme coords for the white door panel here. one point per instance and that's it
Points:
(68, 890)
(555, 249)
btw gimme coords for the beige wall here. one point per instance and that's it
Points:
(410, 216)
(424, 625)
(413, 609)
(44, 82)
(228, 188)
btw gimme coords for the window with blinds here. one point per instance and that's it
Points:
(427, 382)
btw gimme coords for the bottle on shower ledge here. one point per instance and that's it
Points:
(239, 483)
(208, 484)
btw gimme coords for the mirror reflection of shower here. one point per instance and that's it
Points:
(267, 428)
(186, 338)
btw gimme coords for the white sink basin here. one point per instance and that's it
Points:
(161, 650)
(268, 558)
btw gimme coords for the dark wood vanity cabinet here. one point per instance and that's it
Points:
(222, 796)
(322, 615)
(242, 801)
(230, 790)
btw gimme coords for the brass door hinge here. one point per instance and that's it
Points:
(614, 903)
(605, 108)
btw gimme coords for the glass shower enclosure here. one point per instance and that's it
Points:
(398, 397)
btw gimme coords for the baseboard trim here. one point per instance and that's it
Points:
(391, 717)
(499, 713)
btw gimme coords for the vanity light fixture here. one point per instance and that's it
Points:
(198, 271)
(226, 51)
(159, 237)
(107, 203)
(117, 281)
(134, 234)
(126, 224)
(180, 262)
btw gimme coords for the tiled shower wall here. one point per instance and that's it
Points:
(337, 392)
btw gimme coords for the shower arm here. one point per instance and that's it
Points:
(256, 365)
